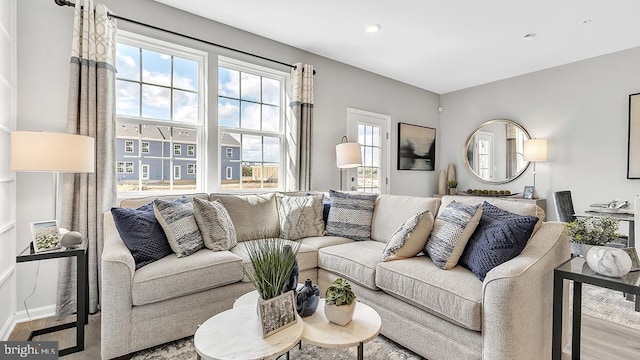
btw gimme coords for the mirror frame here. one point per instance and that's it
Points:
(466, 144)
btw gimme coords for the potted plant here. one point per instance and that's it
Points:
(591, 231)
(453, 187)
(272, 264)
(340, 302)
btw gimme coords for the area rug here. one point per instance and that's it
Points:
(597, 302)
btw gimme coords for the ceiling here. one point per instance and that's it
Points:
(437, 45)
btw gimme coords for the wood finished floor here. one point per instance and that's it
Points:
(600, 339)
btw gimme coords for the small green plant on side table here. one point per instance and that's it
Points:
(592, 231)
(340, 302)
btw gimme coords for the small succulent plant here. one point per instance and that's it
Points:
(339, 293)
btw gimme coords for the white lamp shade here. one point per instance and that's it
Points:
(45, 151)
(535, 150)
(348, 155)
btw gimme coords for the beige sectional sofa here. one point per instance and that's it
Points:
(439, 314)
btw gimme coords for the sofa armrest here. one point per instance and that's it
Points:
(118, 268)
(518, 298)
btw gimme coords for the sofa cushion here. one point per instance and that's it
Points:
(451, 231)
(354, 261)
(516, 207)
(179, 224)
(307, 257)
(318, 242)
(410, 238)
(216, 227)
(255, 216)
(142, 234)
(499, 237)
(454, 295)
(300, 216)
(172, 277)
(350, 215)
(141, 201)
(391, 211)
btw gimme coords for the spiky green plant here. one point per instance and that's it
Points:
(339, 293)
(272, 265)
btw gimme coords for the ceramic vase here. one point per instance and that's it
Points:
(451, 173)
(339, 315)
(442, 183)
(307, 298)
(608, 261)
(293, 278)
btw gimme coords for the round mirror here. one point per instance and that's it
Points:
(493, 152)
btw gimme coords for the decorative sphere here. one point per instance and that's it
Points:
(608, 261)
(71, 239)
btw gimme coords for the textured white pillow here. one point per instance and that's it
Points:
(300, 216)
(178, 223)
(409, 239)
(215, 225)
(452, 229)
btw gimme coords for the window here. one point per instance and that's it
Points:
(371, 130)
(191, 150)
(160, 105)
(177, 171)
(128, 146)
(120, 167)
(128, 167)
(145, 172)
(229, 172)
(250, 117)
(191, 169)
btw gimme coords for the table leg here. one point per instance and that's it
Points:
(556, 336)
(361, 351)
(577, 320)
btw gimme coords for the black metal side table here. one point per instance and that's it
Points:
(82, 301)
(577, 270)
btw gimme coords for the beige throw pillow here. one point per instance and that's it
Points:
(409, 239)
(215, 225)
(300, 216)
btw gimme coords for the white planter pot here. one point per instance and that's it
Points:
(340, 315)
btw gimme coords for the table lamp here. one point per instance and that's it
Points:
(36, 151)
(535, 150)
(348, 155)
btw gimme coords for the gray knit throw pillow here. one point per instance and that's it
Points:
(215, 225)
(179, 224)
(350, 215)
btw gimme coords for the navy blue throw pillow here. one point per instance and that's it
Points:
(142, 234)
(499, 237)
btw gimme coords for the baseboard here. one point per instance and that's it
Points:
(36, 313)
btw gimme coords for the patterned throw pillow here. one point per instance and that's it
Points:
(300, 216)
(500, 237)
(142, 234)
(350, 215)
(451, 231)
(410, 237)
(179, 224)
(216, 227)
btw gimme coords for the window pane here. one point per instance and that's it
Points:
(185, 73)
(270, 175)
(228, 82)
(376, 136)
(128, 62)
(250, 116)
(250, 87)
(251, 148)
(228, 112)
(156, 102)
(127, 98)
(376, 157)
(361, 134)
(270, 91)
(270, 118)
(156, 68)
(368, 135)
(185, 106)
(271, 149)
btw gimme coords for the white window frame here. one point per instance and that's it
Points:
(177, 149)
(201, 57)
(192, 169)
(129, 167)
(191, 150)
(128, 146)
(177, 175)
(143, 172)
(283, 77)
(228, 172)
(143, 147)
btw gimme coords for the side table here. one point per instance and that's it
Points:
(577, 270)
(80, 253)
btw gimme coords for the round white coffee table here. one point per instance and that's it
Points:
(364, 327)
(236, 334)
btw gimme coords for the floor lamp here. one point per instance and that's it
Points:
(35, 151)
(348, 155)
(535, 150)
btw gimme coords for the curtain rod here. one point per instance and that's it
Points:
(111, 15)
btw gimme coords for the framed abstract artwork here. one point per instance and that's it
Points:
(416, 147)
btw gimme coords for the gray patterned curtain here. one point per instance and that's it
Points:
(91, 109)
(301, 126)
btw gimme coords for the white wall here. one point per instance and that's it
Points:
(581, 108)
(8, 44)
(43, 55)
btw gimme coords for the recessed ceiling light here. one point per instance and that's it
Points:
(373, 28)
(585, 21)
(530, 36)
